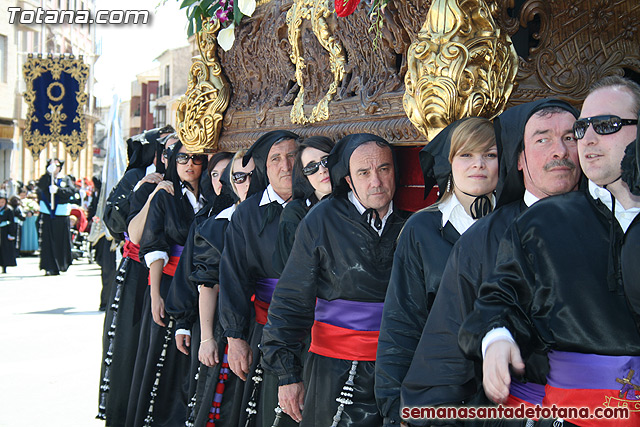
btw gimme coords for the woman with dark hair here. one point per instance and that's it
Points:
(311, 183)
(463, 161)
(18, 218)
(160, 398)
(7, 234)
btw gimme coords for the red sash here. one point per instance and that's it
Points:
(131, 250)
(342, 343)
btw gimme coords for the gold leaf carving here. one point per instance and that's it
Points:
(461, 65)
(316, 11)
(200, 111)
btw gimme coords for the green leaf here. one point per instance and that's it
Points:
(198, 23)
(205, 4)
(190, 28)
(237, 15)
(187, 3)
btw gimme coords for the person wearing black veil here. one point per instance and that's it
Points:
(557, 289)
(123, 314)
(333, 287)
(160, 384)
(246, 269)
(439, 373)
(183, 292)
(463, 160)
(218, 397)
(55, 229)
(631, 247)
(311, 183)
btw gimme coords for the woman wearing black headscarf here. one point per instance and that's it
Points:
(311, 183)
(159, 395)
(463, 161)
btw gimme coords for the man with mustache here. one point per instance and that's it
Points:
(557, 287)
(538, 159)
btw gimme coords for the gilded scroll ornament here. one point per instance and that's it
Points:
(200, 111)
(316, 11)
(56, 99)
(461, 65)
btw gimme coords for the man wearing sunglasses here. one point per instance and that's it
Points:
(557, 286)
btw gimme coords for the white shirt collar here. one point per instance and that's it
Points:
(529, 198)
(453, 212)
(195, 204)
(360, 207)
(624, 216)
(150, 169)
(269, 195)
(227, 213)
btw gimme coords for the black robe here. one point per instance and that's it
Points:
(8, 227)
(117, 209)
(122, 322)
(55, 230)
(423, 249)
(247, 258)
(168, 222)
(291, 216)
(440, 374)
(331, 240)
(550, 284)
(631, 268)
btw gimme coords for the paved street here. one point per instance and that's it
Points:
(51, 346)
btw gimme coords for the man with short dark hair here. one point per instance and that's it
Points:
(333, 286)
(557, 287)
(539, 158)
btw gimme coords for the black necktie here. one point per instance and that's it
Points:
(272, 210)
(480, 207)
(370, 214)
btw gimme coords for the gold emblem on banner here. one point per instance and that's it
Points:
(316, 11)
(200, 111)
(36, 67)
(461, 65)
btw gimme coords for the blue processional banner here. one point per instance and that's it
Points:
(56, 99)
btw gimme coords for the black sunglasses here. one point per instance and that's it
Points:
(602, 125)
(240, 177)
(313, 167)
(183, 158)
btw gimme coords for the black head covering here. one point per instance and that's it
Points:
(434, 159)
(509, 127)
(227, 196)
(341, 154)
(172, 172)
(631, 163)
(302, 188)
(142, 149)
(259, 152)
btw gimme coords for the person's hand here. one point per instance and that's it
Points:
(53, 189)
(164, 185)
(495, 369)
(240, 357)
(208, 353)
(152, 178)
(291, 400)
(157, 310)
(183, 342)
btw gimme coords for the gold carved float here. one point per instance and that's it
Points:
(200, 111)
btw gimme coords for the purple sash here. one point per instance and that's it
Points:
(529, 392)
(589, 371)
(176, 250)
(354, 315)
(264, 289)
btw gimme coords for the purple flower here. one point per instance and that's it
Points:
(222, 15)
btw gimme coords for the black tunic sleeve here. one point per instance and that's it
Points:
(153, 236)
(182, 300)
(289, 220)
(291, 313)
(422, 251)
(7, 219)
(117, 207)
(138, 198)
(504, 301)
(208, 246)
